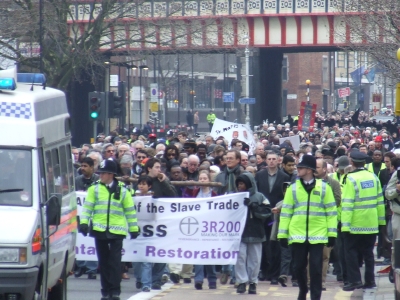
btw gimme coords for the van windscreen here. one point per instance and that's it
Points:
(15, 177)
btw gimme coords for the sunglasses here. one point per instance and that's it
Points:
(141, 157)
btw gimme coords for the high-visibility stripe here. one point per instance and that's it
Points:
(286, 215)
(314, 204)
(288, 206)
(310, 213)
(323, 191)
(294, 193)
(105, 211)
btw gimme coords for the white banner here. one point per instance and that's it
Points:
(230, 131)
(203, 231)
(294, 140)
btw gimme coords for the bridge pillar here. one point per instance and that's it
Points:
(267, 86)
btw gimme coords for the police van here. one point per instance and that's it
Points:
(38, 209)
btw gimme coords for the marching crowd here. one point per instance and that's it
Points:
(326, 202)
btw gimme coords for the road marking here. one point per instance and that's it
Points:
(152, 293)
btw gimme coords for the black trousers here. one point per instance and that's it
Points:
(355, 244)
(109, 256)
(300, 254)
(270, 255)
(274, 260)
(341, 257)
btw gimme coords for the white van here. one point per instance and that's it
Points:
(38, 210)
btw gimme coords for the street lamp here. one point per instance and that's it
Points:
(129, 68)
(192, 91)
(308, 81)
(178, 91)
(142, 67)
(397, 110)
(247, 58)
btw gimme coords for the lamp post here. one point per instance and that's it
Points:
(142, 67)
(192, 92)
(41, 36)
(107, 65)
(308, 81)
(178, 90)
(129, 68)
(247, 58)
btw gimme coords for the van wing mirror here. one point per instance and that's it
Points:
(53, 210)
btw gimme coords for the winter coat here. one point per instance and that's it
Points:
(254, 231)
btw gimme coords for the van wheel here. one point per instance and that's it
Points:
(59, 291)
(391, 275)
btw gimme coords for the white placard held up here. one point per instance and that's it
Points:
(294, 140)
(230, 131)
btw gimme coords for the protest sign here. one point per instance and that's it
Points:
(294, 140)
(307, 116)
(230, 131)
(203, 231)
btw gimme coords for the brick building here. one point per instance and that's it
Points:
(297, 68)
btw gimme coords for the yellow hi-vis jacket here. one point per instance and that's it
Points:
(336, 177)
(363, 209)
(308, 217)
(109, 213)
(370, 168)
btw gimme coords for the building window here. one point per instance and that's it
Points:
(325, 68)
(341, 60)
(285, 69)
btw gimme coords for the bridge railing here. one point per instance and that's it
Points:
(203, 8)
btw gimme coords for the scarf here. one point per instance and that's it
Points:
(231, 179)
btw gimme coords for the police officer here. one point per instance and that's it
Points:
(111, 208)
(308, 221)
(362, 216)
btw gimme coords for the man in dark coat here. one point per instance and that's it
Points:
(270, 183)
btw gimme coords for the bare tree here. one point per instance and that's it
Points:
(373, 27)
(77, 42)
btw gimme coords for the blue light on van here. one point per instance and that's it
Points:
(7, 84)
(37, 78)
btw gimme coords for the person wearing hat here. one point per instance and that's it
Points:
(362, 217)
(378, 142)
(342, 163)
(211, 119)
(328, 155)
(308, 221)
(170, 137)
(190, 147)
(110, 206)
(134, 135)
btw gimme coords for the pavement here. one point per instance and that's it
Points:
(84, 289)
(384, 291)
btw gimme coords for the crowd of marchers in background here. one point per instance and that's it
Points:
(343, 160)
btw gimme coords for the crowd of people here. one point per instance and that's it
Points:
(336, 192)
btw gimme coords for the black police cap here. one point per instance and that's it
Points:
(308, 161)
(358, 156)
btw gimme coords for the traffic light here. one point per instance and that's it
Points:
(96, 101)
(116, 103)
